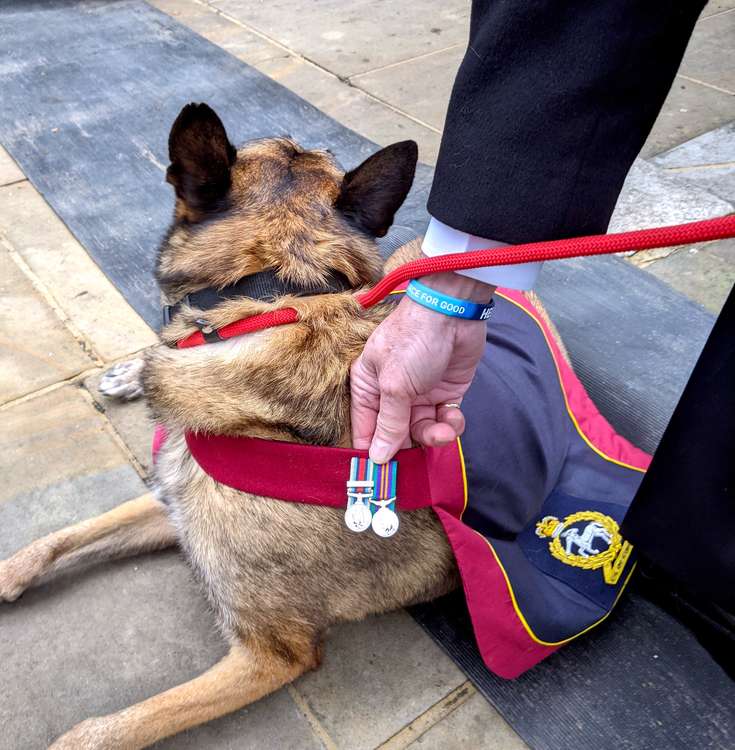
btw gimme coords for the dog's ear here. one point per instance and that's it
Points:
(201, 158)
(373, 192)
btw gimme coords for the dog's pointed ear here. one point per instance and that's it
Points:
(201, 157)
(373, 192)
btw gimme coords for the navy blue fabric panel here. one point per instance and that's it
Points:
(553, 610)
(516, 437)
(525, 460)
(589, 583)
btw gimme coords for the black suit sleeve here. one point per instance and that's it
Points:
(551, 105)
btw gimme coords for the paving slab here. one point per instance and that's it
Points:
(717, 6)
(709, 50)
(9, 170)
(79, 287)
(474, 724)
(420, 86)
(654, 197)
(376, 677)
(338, 98)
(213, 26)
(130, 419)
(351, 106)
(689, 110)
(708, 161)
(53, 437)
(355, 36)
(93, 642)
(36, 348)
(704, 273)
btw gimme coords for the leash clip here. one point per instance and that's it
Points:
(210, 333)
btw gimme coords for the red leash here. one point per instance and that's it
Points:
(575, 247)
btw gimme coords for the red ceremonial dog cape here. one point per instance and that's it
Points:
(531, 499)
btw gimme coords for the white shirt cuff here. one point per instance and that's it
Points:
(441, 239)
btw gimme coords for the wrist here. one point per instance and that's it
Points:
(458, 285)
(463, 287)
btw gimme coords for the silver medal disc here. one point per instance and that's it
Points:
(358, 517)
(385, 522)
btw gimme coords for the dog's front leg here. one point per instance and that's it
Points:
(139, 525)
(243, 676)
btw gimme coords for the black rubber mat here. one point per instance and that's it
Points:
(89, 91)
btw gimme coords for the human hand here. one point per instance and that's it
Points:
(416, 361)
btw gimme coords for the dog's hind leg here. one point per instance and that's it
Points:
(139, 525)
(243, 676)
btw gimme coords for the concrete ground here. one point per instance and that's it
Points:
(92, 642)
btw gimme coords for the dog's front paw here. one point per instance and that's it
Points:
(123, 381)
(18, 572)
(90, 734)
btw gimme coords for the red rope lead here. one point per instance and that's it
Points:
(245, 325)
(601, 244)
(604, 244)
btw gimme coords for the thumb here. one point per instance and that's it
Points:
(392, 428)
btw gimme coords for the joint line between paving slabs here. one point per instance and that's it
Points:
(430, 718)
(308, 61)
(316, 726)
(50, 299)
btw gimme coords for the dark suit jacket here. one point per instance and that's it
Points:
(551, 105)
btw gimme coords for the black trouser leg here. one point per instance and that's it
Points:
(682, 520)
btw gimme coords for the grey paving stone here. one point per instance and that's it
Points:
(351, 106)
(9, 170)
(337, 98)
(715, 147)
(709, 51)
(689, 110)
(130, 420)
(705, 273)
(353, 36)
(420, 87)
(717, 6)
(653, 197)
(475, 724)
(77, 284)
(94, 641)
(51, 438)
(40, 511)
(211, 25)
(376, 677)
(708, 161)
(36, 348)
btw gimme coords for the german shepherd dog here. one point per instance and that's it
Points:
(277, 574)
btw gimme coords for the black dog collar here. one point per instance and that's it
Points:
(264, 286)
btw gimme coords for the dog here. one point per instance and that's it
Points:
(277, 574)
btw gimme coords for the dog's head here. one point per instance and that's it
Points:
(273, 204)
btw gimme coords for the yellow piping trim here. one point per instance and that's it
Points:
(564, 394)
(464, 477)
(523, 619)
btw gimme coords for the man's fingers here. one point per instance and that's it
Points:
(392, 427)
(364, 404)
(452, 416)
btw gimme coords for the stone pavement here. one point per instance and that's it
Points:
(94, 641)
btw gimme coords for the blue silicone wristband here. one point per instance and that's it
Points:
(452, 306)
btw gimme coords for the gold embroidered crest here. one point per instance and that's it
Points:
(596, 544)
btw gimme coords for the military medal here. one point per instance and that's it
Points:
(371, 497)
(385, 522)
(358, 516)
